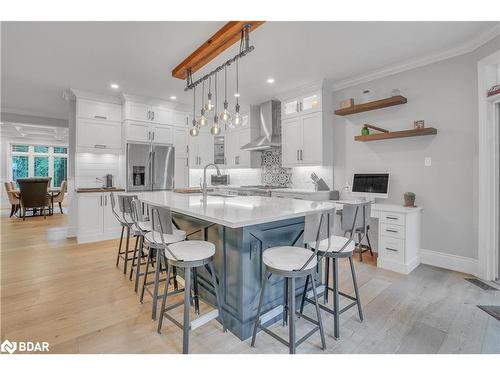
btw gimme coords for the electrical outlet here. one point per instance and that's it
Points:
(428, 161)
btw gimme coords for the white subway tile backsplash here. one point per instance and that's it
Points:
(91, 166)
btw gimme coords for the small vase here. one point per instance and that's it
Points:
(409, 199)
(365, 131)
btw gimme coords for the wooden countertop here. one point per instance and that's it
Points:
(97, 190)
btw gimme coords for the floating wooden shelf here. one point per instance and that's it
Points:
(370, 106)
(398, 134)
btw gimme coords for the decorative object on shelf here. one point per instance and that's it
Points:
(395, 92)
(396, 134)
(419, 124)
(207, 107)
(347, 103)
(409, 198)
(365, 130)
(370, 106)
(493, 90)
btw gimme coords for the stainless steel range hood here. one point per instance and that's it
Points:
(270, 123)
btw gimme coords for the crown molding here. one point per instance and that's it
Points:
(72, 94)
(462, 49)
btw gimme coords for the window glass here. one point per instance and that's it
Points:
(41, 166)
(20, 148)
(60, 150)
(19, 167)
(60, 170)
(41, 149)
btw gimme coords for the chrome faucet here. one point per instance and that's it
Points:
(204, 187)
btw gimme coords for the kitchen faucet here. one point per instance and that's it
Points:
(204, 187)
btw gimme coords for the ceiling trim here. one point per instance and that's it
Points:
(462, 49)
(72, 93)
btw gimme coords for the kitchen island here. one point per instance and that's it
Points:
(241, 229)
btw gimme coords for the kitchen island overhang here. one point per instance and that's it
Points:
(241, 229)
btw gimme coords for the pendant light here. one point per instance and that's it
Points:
(215, 129)
(209, 106)
(237, 117)
(194, 130)
(203, 120)
(225, 115)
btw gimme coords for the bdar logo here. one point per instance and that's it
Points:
(9, 347)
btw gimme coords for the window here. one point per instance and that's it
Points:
(39, 161)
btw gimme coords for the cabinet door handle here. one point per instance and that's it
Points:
(100, 146)
(153, 135)
(391, 249)
(391, 217)
(101, 117)
(301, 154)
(152, 115)
(187, 162)
(297, 155)
(391, 230)
(297, 107)
(100, 201)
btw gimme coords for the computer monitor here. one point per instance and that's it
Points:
(370, 185)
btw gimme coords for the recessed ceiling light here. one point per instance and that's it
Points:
(173, 97)
(237, 95)
(270, 80)
(114, 86)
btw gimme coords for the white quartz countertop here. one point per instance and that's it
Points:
(236, 211)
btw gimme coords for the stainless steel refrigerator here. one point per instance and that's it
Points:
(150, 167)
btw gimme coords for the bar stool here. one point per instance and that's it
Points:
(362, 227)
(291, 262)
(155, 254)
(187, 255)
(123, 216)
(337, 248)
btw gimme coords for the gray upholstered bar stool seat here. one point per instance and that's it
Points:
(332, 250)
(292, 262)
(186, 255)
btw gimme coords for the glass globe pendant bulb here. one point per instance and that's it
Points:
(194, 131)
(202, 120)
(225, 115)
(209, 107)
(215, 129)
(237, 117)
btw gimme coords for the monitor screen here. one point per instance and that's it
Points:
(371, 183)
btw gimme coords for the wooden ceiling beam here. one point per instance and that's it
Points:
(224, 38)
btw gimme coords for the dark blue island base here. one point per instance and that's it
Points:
(239, 268)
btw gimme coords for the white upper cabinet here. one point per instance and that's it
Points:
(236, 157)
(138, 131)
(162, 134)
(301, 105)
(201, 149)
(161, 115)
(92, 109)
(181, 141)
(137, 111)
(307, 129)
(179, 119)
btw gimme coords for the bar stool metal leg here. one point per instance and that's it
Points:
(327, 279)
(318, 313)
(159, 255)
(196, 297)
(164, 300)
(356, 291)
(185, 327)
(369, 244)
(120, 247)
(134, 257)
(149, 260)
(291, 322)
(285, 301)
(140, 255)
(302, 303)
(126, 251)
(336, 315)
(259, 309)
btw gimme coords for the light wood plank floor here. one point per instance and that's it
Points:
(75, 298)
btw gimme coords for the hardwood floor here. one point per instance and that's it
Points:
(74, 297)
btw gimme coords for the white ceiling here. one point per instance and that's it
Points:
(33, 133)
(42, 59)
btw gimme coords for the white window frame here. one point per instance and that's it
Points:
(31, 154)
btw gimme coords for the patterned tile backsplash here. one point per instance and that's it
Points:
(272, 171)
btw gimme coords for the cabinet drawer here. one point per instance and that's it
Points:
(392, 218)
(392, 230)
(99, 110)
(392, 248)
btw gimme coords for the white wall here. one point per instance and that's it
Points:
(443, 94)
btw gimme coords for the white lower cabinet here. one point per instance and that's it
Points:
(96, 221)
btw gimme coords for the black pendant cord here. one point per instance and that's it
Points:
(194, 106)
(225, 87)
(216, 101)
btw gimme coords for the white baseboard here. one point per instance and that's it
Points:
(449, 261)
